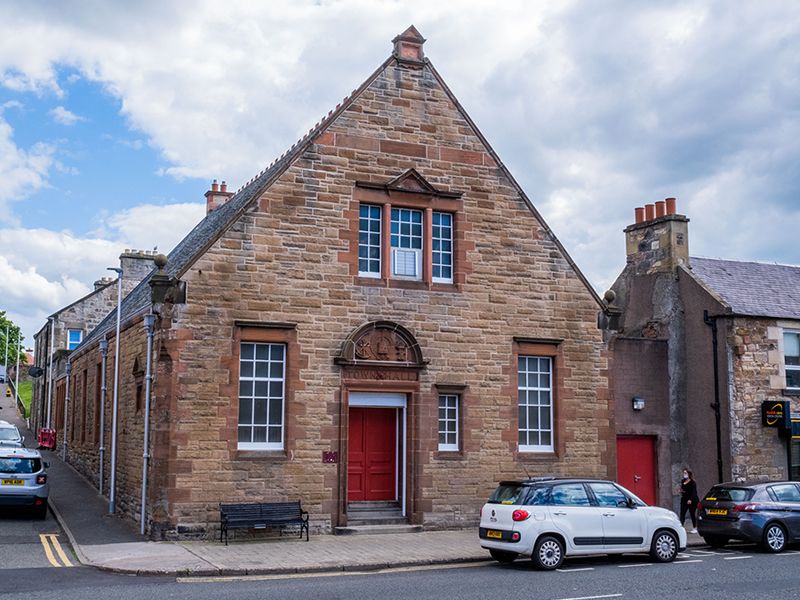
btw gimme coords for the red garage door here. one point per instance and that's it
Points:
(636, 465)
(372, 455)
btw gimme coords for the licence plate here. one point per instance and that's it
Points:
(494, 534)
(13, 482)
(717, 511)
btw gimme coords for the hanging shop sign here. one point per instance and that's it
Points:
(776, 413)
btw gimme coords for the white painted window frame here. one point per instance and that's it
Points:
(456, 398)
(790, 367)
(537, 447)
(451, 252)
(372, 274)
(80, 338)
(263, 445)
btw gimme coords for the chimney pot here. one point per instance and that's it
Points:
(639, 212)
(214, 186)
(660, 209)
(649, 212)
(223, 187)
(671, 206)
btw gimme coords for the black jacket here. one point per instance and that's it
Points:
(689, 490)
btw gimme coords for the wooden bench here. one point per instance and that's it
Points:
(260, 515)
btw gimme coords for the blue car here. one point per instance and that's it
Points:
(767, 513)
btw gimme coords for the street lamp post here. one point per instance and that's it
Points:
(5, 362)
(112, 491)
(16, 372)
(104, 356)
(49, 359)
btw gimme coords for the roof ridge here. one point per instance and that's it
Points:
(747, 262)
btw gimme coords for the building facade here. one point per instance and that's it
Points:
(380, 318)
(65, 330)
(676, 403)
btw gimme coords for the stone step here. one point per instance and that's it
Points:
(369, 506)
(391, 520)
(377, 529)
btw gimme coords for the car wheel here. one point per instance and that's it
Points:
(548, 554)
(715, 541)
(774, 538)
(504, 558)
(664, 547)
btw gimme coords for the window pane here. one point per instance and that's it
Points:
(260, 389)
(369, 239)
(275, 412)
(791, 348)
(448, 421)
(793, 378)
(246, 369)
(260, 411)
(259, 434)
(244, 434)
(262, 369)
(608, 494)
(245, 388)
(274, 435)
(247, 351)
(245, 412)
(570, 494)
(534, 380)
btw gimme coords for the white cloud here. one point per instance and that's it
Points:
(594, 110)
(22, 171)
(64, 117)
(44, 270)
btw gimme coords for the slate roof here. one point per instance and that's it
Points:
(751, 288)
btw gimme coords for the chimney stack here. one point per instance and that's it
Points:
(217, 196)
(408, 47)
(658, 239)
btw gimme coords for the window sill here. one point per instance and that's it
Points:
(259, 455)
(536, 456)
(404, 284)
(449, 455)
(791, 392)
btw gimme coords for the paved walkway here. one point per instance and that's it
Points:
(111, 543)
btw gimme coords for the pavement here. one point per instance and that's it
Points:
(111, 543)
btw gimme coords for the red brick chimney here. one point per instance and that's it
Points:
(408, 46)
(217, 196)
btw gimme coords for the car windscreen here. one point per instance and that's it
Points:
(16, 464)
(8, 433)
(729, 494)
(507, 494)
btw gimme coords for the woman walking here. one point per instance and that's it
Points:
(689, 498)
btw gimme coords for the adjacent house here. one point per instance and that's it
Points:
(705, 362)
(379, 321)
(65, 329)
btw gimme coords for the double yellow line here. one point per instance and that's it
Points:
(52, 538)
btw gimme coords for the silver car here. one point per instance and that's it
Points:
(23, 480)
(10, 435)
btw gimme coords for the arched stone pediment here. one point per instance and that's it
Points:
(381, 343)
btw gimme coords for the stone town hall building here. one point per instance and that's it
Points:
(380, 316)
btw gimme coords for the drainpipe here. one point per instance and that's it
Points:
(16, 371)
(149, 321)
(104, 356)
(716, 406)
(50, 370)
(112, 492)
(66, 414)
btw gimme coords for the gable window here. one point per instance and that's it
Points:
(535, 399)
(442, 242)
(369, 241)
(791, 359)
(407, 243)
(448, 422)
(262, 379)
(74, 338)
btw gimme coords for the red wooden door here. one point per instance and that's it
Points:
(636, 465)
(372, 455)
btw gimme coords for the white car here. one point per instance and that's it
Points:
(548, 518)
(10, 435)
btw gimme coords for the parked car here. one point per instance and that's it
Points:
(767, 513)
(10, 435)
(23, 479)
(549, 518)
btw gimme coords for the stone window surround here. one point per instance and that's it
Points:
(387, 199)
(263, 332)
(550, 348)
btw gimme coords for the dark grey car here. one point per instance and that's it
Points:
(766, 512)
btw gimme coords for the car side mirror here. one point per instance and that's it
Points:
(623, 503)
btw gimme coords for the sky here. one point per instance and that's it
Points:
(116, 116)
